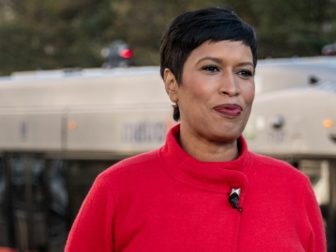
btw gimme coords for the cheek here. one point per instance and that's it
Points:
(200, 94)
(196, 90)
(248, 94)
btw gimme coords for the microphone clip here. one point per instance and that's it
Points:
(234, 199)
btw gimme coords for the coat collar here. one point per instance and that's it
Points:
(218, 177)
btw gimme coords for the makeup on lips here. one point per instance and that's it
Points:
(231, 110)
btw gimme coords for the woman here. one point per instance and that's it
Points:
(203, 190)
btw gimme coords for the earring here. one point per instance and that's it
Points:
(176, 112)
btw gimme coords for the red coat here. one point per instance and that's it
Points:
(167, 201)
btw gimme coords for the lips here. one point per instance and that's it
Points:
(231, 110)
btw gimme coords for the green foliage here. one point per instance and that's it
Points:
(52, 34)
(46, 34)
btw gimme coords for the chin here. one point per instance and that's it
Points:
(223, 136)
(228, 133)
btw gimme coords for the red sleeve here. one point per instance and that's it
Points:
(92, 228)
(317, 241)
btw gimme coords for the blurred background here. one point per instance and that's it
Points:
(51, 34)
(80, 90)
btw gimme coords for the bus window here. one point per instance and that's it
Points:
(6, 217)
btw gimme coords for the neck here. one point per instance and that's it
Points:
(205, 150)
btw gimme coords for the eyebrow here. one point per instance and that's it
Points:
(219, 61)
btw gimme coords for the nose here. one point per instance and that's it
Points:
(229, 85)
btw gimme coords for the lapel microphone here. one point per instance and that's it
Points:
(234, 199)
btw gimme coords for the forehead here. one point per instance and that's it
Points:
(222, 50)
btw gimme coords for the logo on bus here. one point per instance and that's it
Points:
(144, 132)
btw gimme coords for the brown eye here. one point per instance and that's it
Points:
(245, 73)
(210, 68)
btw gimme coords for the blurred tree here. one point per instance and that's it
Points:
(292, 28)
(52, 34)
(142, 23)
(284, 28)
(44, 34)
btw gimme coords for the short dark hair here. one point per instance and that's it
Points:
(191, 29)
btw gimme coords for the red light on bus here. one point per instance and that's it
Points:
(126, 53)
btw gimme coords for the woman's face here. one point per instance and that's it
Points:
(217, 90)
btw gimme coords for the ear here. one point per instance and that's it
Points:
(171, 85)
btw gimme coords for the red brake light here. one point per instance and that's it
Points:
(126, 53)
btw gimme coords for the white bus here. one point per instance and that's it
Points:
(59, 129)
